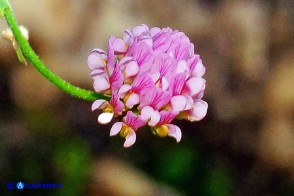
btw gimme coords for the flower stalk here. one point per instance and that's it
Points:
(31, 56)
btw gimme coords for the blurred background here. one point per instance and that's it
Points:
(244, 146)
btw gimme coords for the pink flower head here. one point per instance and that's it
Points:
(153, 77)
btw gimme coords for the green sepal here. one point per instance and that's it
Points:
(20, 56)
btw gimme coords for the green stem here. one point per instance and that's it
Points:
(30, 54)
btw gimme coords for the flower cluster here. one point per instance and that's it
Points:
(153, 77)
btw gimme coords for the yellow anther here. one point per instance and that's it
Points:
(104, 62)
(125, 130)
(162, 131)
(126, 97)
(189, 118)
(108, 109)
(167, 107)
(120, 56)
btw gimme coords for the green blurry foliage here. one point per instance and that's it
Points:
(218, 182)
(177, 165)
(72, 160)
(188, 168)
(48, 154)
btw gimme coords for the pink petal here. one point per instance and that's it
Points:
(175, 132)
(182, 52)
(132, 69)
(180, 49)
(124, 89)
(98, 104)
(166, 117)
(128, 37)
(115, 129)
(164, 84)
(200, 94)
(101, 83)
(105, 118)
(155, 77)
(132, 100)
(95, 59)
(178, 103)
(161, 42)
(119, 107)
(102, 53)
(111, 58)
(130, 139)
(138, 30)
(192, 61)
(133, 120)
(156, 98)
(155, 118)
(119, 45)
(145, 68)
(192, 47)
(164, 65)
(142, 83)
(189, 103)
(199, 110)
(146, 112)
(160, 99)
(116, 79)
(147, 40)
(116, 103)
(125, 60)
(195, 85)
(199, 69)
(97, 72)
(141, 52)
(177, 84)
(182, 66)
(154, 31)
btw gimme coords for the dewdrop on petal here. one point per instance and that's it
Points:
(153, 77)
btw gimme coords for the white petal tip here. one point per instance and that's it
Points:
(199, 111)
(178, 103)
(97, 104)
(130, 139)
(132, 100)
(115, 129)
(105, 118)
(175, 132)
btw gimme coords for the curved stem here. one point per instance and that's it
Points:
(30, 54)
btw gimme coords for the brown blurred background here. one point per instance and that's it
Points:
(245, 145)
